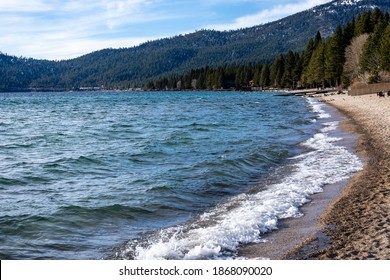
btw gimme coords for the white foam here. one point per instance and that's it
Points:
(244, 218)
(330, 126)
(317, 107)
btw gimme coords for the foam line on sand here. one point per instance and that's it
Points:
(357, 223)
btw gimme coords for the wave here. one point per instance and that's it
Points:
(67, 220)
(5, 181)
(243, 219)
(116, 211)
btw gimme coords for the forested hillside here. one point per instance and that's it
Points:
(357, 53)
(210, 50)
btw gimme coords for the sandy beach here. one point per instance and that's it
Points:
(349, 220)
(357, 223)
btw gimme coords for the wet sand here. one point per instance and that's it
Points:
(356, 223)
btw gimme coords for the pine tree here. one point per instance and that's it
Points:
(289, 65)
(308, 53)
(277, 71)
(265, 76)
(297, 71)
(384, 46)
(371, 59)
(306, 57)
(335, 57)
(375, 17)
(386, 16)
(186, 81)
(318, 39)
(363, 23)
(315, 72)
(349, 31)
(257, 75)
(201, 81)
(242, 77)
(219, 78)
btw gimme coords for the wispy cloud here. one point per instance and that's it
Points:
(72, 28)
(21, 6)
(65, 47)
(268, 15)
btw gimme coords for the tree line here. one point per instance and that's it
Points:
(359, 52)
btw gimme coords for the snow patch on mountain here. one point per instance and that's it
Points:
(347, 2)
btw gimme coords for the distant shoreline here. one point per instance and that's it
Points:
(284, 92)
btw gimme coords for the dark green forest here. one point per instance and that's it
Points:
(322, 64)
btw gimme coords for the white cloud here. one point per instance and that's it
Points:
(84, 6)
(58, 46)
(72, 29)
(72, 48)
(24, 6)
(123, 12)
(269, 15)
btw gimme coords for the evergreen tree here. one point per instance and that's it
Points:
(349, 31)
(371, 61)
(241, 77)
(229, 77)
(277, 71)
(318, 39)
(375, 17)
(186, 81)
(265, 76)
(218, 78)
(386, 16)
(306, 59)
(257, 75)
(297, 71)
(201, 81)
(315, 72)
(172, 83)
(384, 46)
(335, 57)
(289, 65)
(363, 24)
(308, 53)
(209, 81)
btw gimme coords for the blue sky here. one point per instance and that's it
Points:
(62, 29)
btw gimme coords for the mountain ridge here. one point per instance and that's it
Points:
(131, 67)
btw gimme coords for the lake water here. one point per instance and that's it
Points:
(158, 175)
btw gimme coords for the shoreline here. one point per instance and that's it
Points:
(357, 223)
(292, 232)
(349, 220)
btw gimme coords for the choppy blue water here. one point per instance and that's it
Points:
(152, 175)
